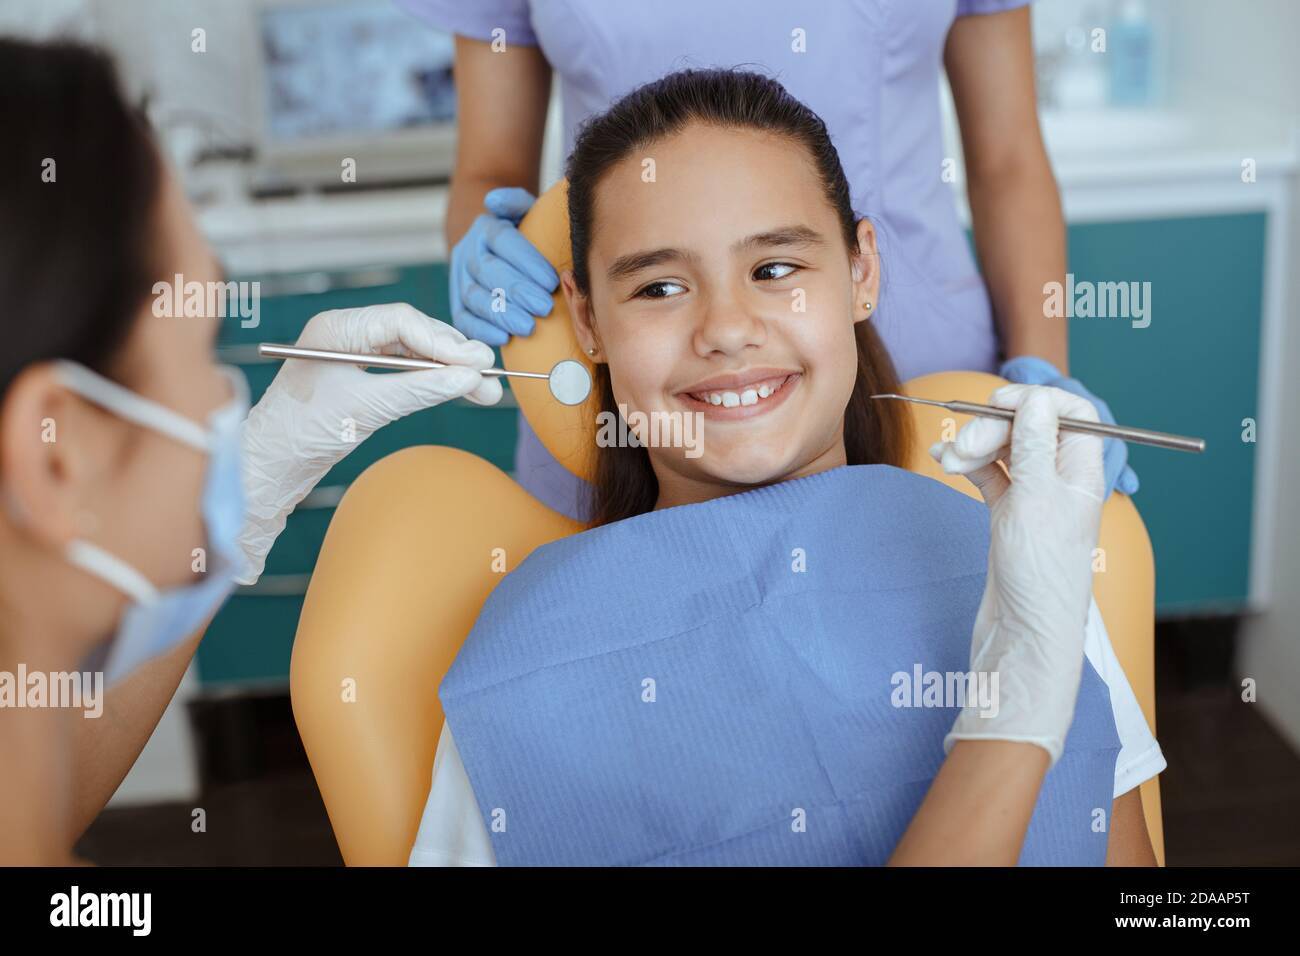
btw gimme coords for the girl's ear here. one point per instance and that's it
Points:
(579, 313)
(865, 270)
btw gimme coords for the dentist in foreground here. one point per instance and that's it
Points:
(136, 488)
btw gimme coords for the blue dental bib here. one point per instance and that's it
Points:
(714, 684)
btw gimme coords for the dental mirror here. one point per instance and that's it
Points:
(570, 382)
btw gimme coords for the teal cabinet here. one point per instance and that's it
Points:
(1195, 371)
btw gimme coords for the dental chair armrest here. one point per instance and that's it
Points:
(403, 572)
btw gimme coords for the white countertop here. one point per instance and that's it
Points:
(329, 231)
(1128, 147)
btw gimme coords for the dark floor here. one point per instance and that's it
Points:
(1231, 792)
(260, 802)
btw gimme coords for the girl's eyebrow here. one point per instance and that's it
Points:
(634, 262)
(784, 236)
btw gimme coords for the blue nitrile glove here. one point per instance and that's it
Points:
(1031, 370)
(493, 254)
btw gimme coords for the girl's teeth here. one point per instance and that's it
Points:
(749, 396)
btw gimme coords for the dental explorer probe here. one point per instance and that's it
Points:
(569, 380)
(1142, 436)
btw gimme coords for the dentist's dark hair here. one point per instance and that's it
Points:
(79, 183)
(874, 433)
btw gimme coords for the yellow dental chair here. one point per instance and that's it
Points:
(422, 537)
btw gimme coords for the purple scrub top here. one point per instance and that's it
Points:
(869, 68)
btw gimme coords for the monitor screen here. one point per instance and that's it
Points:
(352, 68)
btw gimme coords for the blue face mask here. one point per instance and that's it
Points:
(157, 620)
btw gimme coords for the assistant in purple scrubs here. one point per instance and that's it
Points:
(870, 69)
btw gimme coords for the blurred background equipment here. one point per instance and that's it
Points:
(353, 79)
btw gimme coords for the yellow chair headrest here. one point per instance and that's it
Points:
(565, 430)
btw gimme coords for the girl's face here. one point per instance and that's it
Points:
(722, 291)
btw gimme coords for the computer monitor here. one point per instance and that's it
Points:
(350, 79)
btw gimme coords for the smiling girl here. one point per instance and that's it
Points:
(736, 283)
(720, 270)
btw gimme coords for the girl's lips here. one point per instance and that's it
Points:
(721, 413)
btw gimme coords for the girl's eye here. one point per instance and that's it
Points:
(656, 290)
(775, 270)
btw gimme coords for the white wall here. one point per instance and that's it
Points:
(40, 19)
(1244, 55)
(199, 97)
(1237, 52)
(1270, 642)
(205, 92)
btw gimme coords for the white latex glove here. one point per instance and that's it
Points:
(314, 413)
(1044, 524)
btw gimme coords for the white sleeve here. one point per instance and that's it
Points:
(452, 832)
(1140, 757)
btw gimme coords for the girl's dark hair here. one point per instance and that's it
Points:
(625, 485)
(79, 180)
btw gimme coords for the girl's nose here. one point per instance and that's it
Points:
(728, 324)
